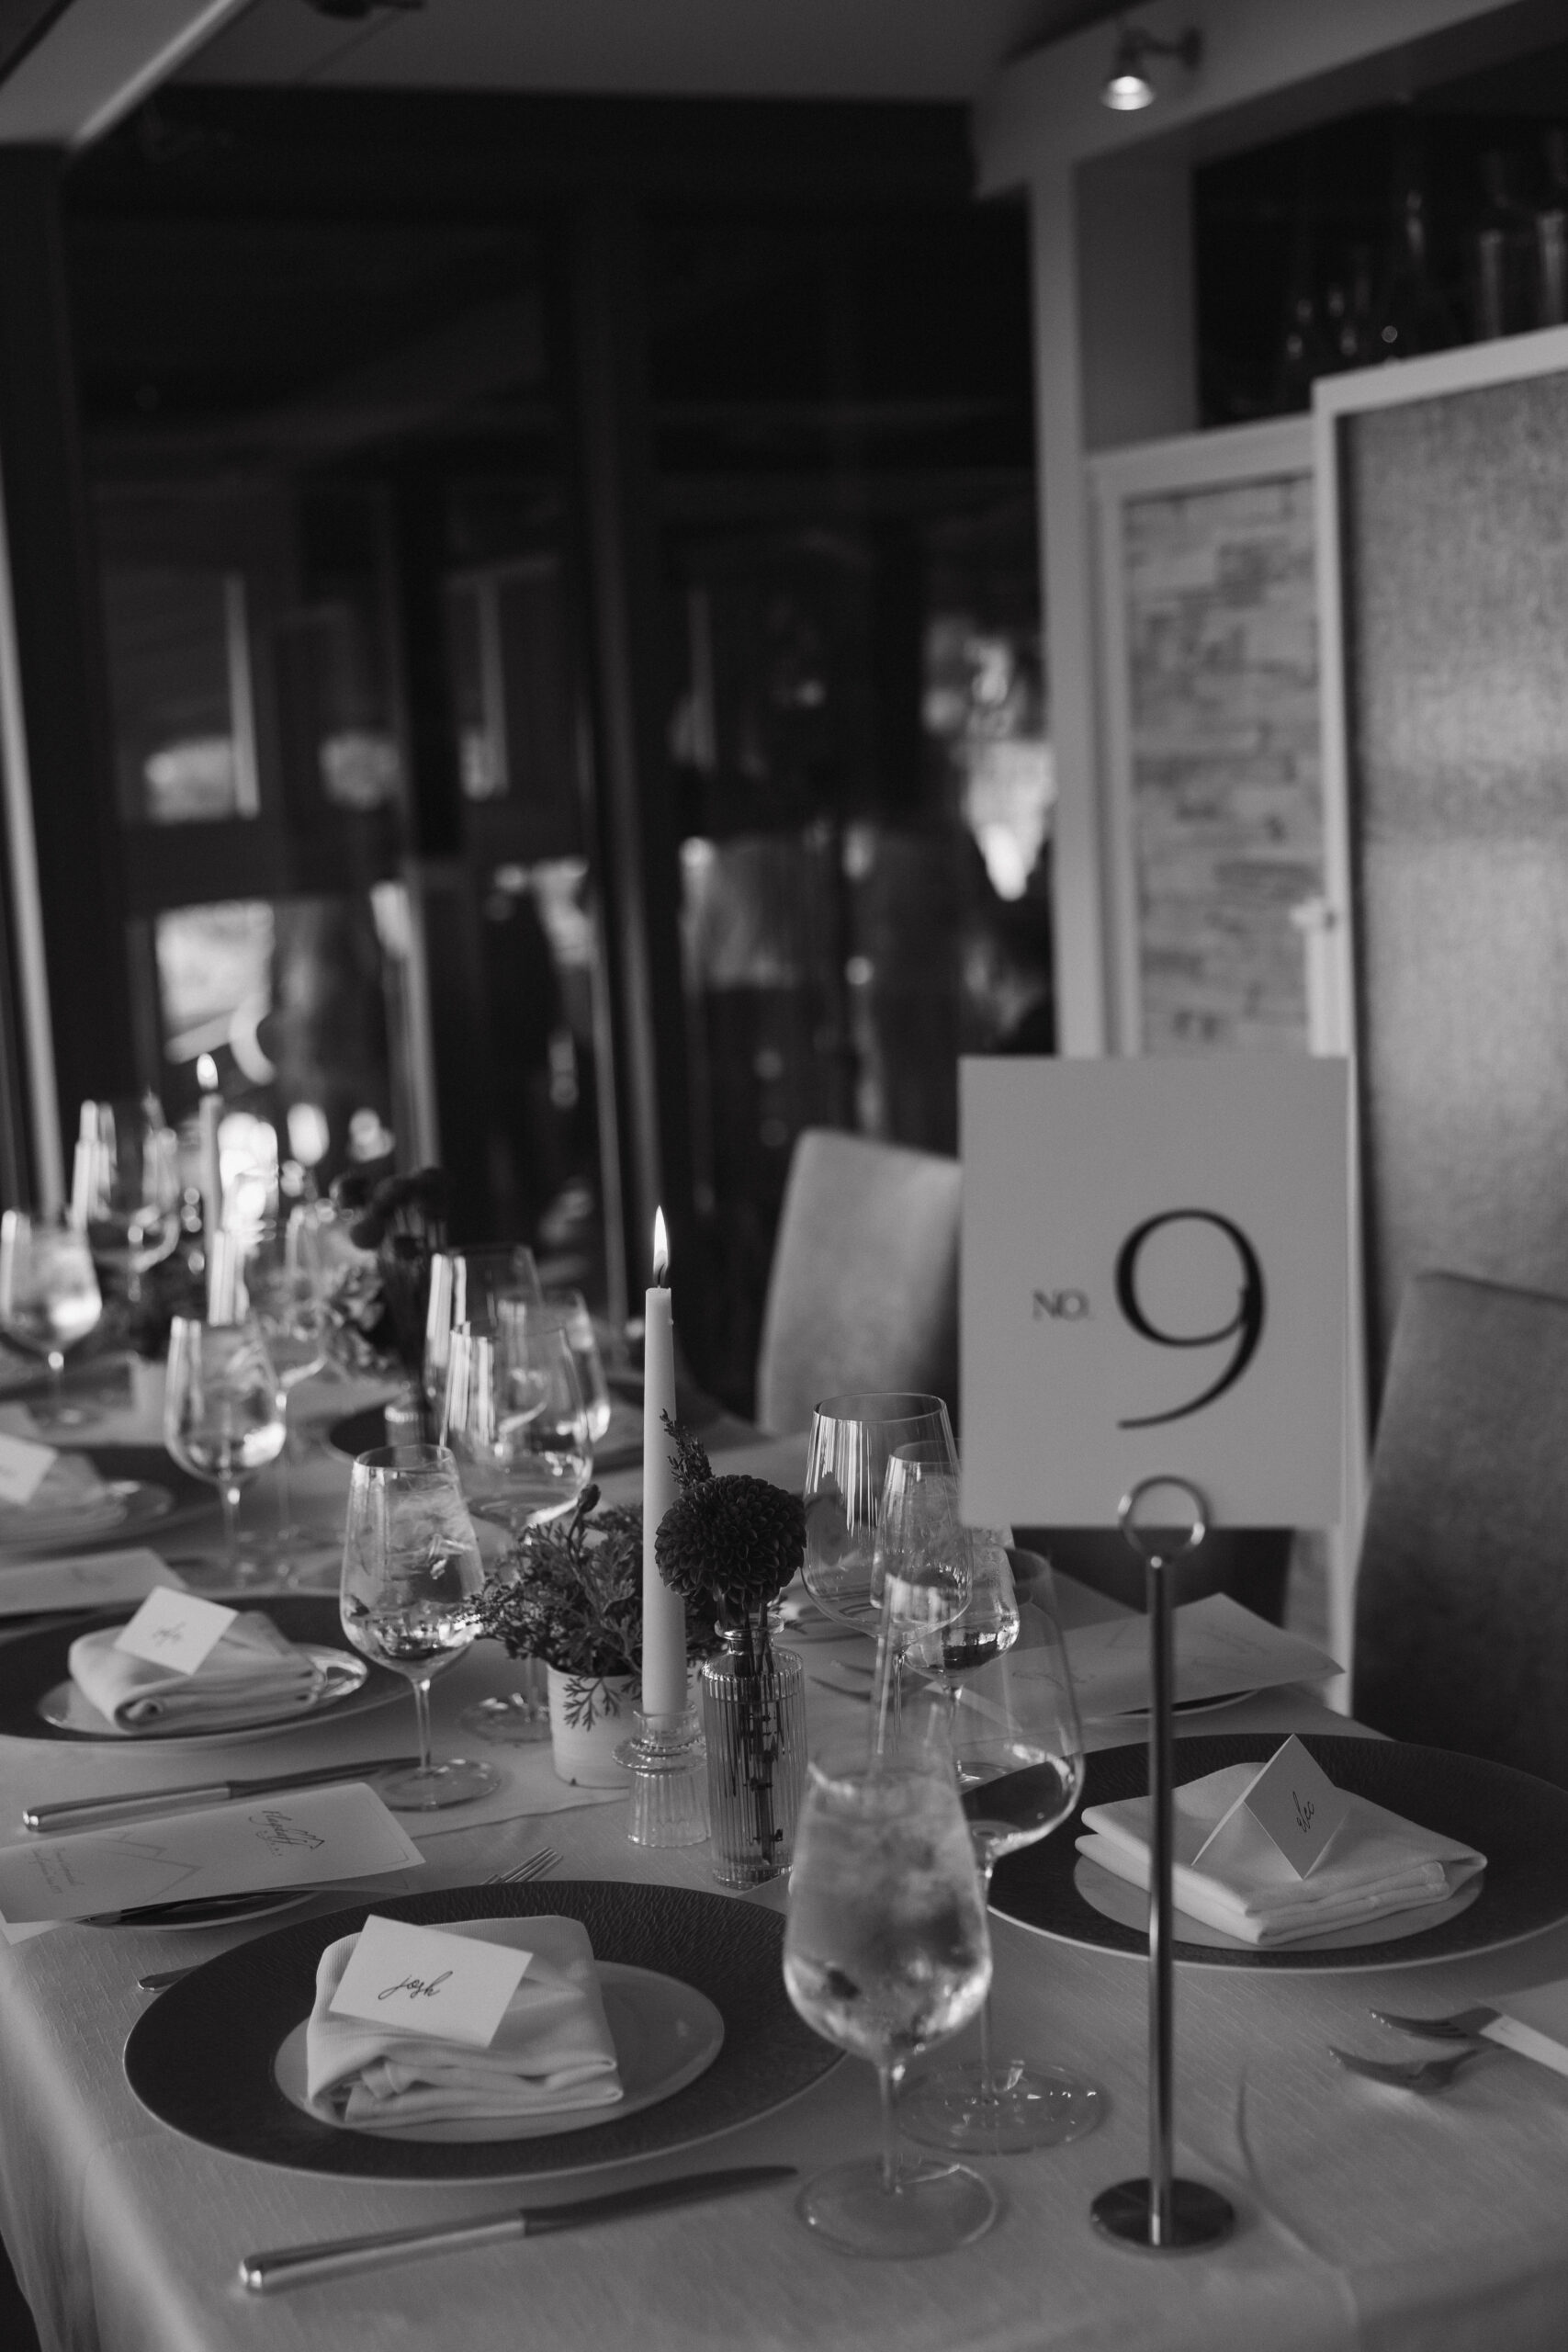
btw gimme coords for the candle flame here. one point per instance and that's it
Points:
(207, 1073)
(660, 1250)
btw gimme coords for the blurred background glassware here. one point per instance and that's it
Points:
(465, 1287)
(125, 1188)
(50, 1299)
(923, 1571)
(222, 1417)
(410, 1576)
(514, 1419)
(284, 1285)
(1012, 1732)
(852, 1438)
(886, 1952)
(582, 1338)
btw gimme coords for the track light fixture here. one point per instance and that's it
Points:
(1127, 87)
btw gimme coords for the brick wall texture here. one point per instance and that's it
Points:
(1226, 793)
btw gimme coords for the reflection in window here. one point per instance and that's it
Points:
(180, 692)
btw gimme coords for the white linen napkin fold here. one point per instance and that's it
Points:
(251, 1671)
(552, 2053)
(1375, 1864)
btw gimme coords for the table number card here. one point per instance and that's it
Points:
(23, 1466)
(453, 1988)
(176, 1629)
(1295, 1804)
(1153, 1283)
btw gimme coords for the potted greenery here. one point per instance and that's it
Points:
(571, 1595)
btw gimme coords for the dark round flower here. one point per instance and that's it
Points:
(351, 1189)
(427, 1191)
(368, 1232)
(735, 1541)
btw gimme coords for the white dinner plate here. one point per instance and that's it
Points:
(665, 2033)
(124, 1507)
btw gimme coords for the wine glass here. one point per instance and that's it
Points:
(222, 1418)
(48, 1297)
(283, 1278)
(887, 1953)
(1012, 1731)
(923, 1565)
(852, 1438)
(577, 1324)
(466, 1286)
(125, 1187)
(410, 1576)
(515, 1422)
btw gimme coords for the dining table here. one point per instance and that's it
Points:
(1368, 2219)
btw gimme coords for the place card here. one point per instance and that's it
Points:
(23, 1466)
(1295, 1804)
(84, 1580)
(174, 1630)
(452, 1988)
(312, 1838)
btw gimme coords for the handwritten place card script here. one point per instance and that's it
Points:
(1295, 1804)
(309, 1837)
(176, 1629)
(1153, 1283)
(448, 1988)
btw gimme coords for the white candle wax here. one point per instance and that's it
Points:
(663, 1611)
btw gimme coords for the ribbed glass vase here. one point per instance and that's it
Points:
(754, 1725)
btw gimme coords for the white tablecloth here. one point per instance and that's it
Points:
(1369, 2220)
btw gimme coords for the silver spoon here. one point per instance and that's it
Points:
(1424, 2075)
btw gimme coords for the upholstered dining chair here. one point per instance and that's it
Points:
(1462, 1594)
(863, 1292)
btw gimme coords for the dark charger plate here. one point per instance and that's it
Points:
(201, 2058)
(1520, 1823)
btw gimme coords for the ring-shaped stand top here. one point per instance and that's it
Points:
(1137, 1537)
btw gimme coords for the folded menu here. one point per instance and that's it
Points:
(299, 1838)
(252, 1672)
(70, 1498)
(1220, 1648)
(552, 2051)
(83, 1581)
(1375, 1864)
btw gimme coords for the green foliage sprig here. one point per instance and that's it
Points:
(571, 1595)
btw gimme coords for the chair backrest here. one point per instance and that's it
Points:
(864, 1288)
(1461, 1599)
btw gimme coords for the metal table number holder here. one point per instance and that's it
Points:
(1161, 2214)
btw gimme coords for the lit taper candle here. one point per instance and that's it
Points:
(663, 1611)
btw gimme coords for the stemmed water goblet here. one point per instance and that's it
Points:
(412, 1575)
(222, 1419)
(514, 1419)
(886, 1952)
(853, 1437)
(48, 1297)
(1011, 1731)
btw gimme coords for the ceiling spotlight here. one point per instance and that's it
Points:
(1128, 88)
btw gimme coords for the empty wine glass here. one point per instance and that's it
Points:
(887, 1953)
(125, 1188)
(48, 1297)
(465, 1287)
(410, 1576)
(1012, 1731)
(283, 1280)
(580, 1339)
(924, 1566)
(852, 1438)
(222, 1418)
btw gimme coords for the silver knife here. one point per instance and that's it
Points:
(263, 2274)
(72, 1813)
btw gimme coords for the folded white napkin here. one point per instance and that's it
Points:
(70, 1495)
(552, 2050)
(1376, 1863)
(251, 1672)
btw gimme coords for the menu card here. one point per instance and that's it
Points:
(1155, 1284)
(306, 1837)
(83, 1581)
(1220, 1649)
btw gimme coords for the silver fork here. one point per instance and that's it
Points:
(1424, 2075)
(535, 1867)
(1462, 2026)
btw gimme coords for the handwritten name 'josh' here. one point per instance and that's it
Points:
(417, 1988)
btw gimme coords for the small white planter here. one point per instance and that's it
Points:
(590, 1716)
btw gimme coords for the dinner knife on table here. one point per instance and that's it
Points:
(336, 2258)
(73, 1812)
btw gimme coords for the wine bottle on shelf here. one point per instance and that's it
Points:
(1412, 314)
(1501, 249)
(1551, 235)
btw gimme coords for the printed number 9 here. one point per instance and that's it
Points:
(1246, 1322)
